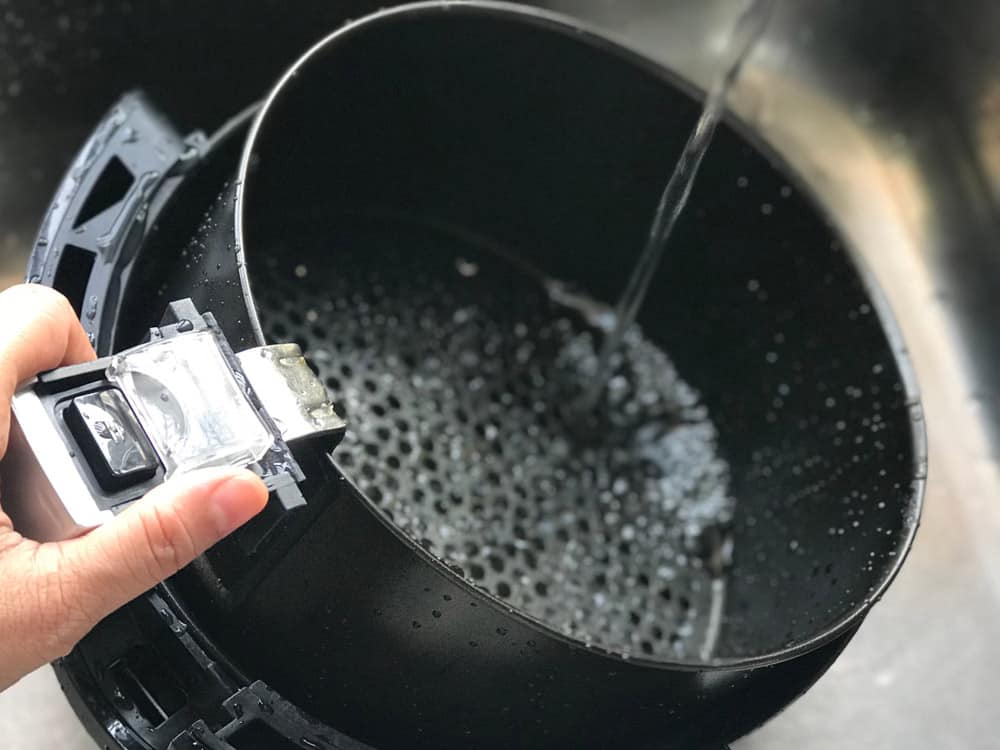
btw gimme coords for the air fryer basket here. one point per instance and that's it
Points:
(361, 234)
(438, 238)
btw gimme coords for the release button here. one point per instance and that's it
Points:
(110, 437)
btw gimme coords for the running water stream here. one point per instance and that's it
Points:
(743, 38)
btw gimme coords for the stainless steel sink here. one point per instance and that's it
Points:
(889, 110)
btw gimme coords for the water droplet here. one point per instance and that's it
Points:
(466, 268)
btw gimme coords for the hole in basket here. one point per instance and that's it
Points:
(73, 274)
(110, 188)
(153, 690)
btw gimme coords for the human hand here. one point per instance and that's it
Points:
(52, 594)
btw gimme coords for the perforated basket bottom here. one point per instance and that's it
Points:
(454, 368)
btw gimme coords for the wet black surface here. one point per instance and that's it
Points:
(454, 366)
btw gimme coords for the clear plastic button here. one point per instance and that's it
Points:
(194, 412)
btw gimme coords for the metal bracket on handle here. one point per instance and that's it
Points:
(291, 392)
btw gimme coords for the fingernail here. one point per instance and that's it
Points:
(236, 500)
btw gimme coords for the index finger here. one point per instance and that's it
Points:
(40, 332)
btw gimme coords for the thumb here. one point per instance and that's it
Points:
(150, 541)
